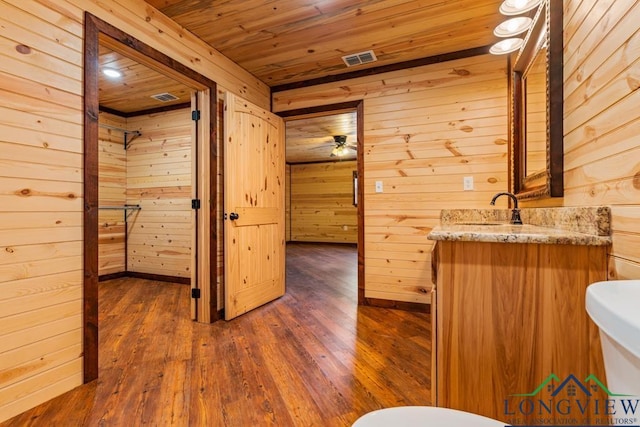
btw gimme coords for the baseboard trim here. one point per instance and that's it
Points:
(303, 242)
(146, 276)
(160, 277)
(398, 305)
(112, 276)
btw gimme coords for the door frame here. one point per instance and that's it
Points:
(96, 29)
(358, 106)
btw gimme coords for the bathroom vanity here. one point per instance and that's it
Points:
(509, 307)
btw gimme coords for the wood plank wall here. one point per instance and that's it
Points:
(425, 129)
(41, 179)
(287, 203)
(602, 120)
(159, 180)
(322, 207)
(112, 184)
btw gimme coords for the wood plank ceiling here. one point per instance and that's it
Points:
(288, 41)
(311, 139)
(308, 139)
(134, 90)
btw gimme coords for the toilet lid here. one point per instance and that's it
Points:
(423, 416)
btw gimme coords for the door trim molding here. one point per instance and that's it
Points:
(94, 27)
(358, 106)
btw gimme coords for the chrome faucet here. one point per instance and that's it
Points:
(515, 212)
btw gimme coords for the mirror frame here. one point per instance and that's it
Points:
(549, 19)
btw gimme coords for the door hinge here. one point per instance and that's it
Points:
(195, 293)
(195, 204)
(195, 115)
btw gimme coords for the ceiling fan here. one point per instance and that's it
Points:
(342, 146)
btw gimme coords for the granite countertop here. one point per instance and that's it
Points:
(559, 226)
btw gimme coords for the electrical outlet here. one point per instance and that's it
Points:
(467, 183)
(379, 187)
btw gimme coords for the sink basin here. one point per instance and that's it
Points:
(613, 306)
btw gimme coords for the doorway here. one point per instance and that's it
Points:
(99, 34)
(354, 146)
(146, 173)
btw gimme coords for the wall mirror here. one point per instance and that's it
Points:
(536, 108)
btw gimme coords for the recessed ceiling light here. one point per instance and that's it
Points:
(513, 26)
(516, 7)
(110, 72)
(506, 46)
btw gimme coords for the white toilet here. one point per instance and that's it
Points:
(613, 306)
(423, 416)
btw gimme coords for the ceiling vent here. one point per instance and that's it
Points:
(359, 58)
(164, 97)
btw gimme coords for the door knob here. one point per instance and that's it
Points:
(233, 216)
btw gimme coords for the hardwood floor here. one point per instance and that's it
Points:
(311, 358)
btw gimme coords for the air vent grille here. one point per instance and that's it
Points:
(359, 58)
(164, 97)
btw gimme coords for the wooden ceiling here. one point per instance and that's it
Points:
(308, 139)
(288, 41)
(311, 139)
(132, 92)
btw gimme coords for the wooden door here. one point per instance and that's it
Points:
(254, 206)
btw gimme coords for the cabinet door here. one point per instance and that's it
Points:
(487, 328)
(508, 317)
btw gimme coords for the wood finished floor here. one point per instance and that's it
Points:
(311, 358)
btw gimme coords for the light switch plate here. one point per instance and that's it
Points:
(467, 183)
(379, 188)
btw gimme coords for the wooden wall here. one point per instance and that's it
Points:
(154, 172)
(112, 182)
(287, 203)
(41, 158)
(159, 180)
(602, 120)
(322, 207)
(425, 129)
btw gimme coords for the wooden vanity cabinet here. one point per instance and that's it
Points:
(507, 316)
